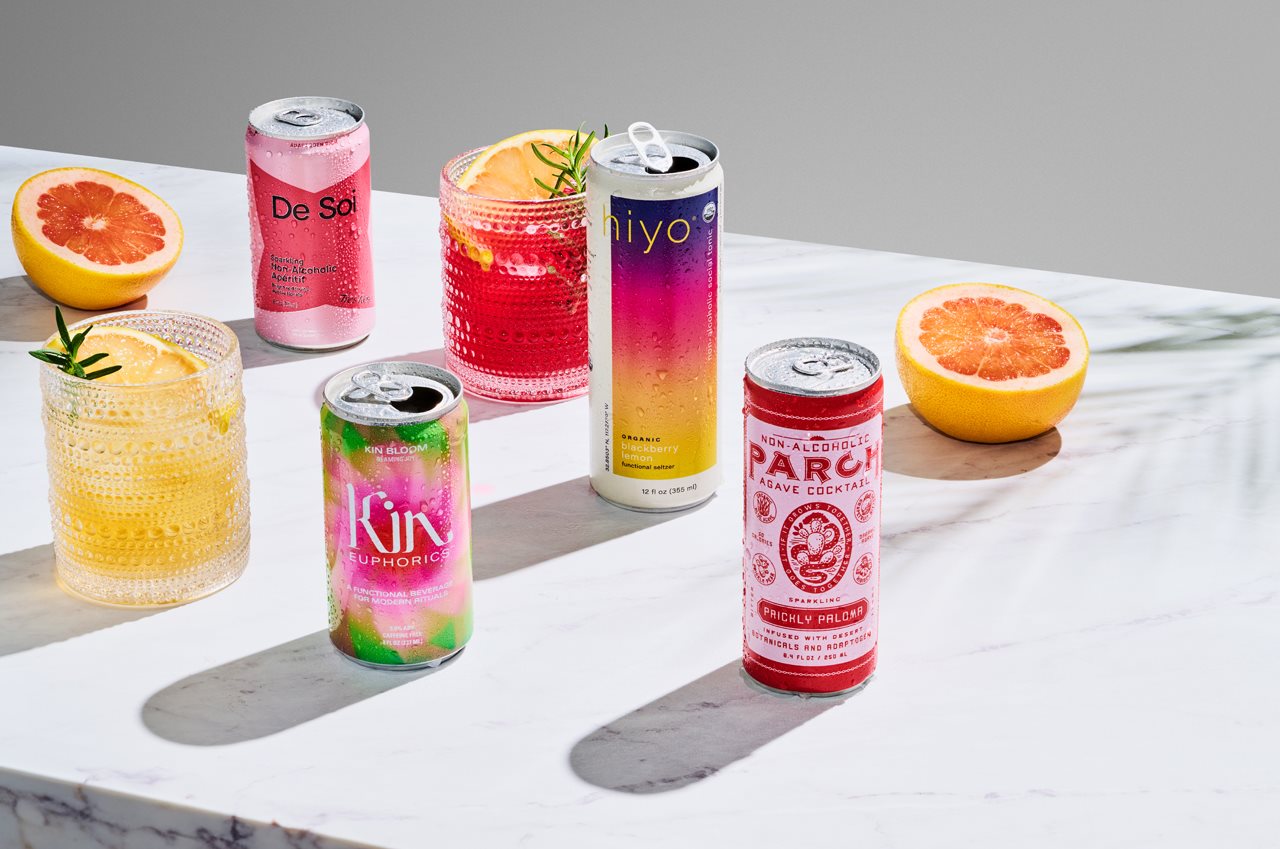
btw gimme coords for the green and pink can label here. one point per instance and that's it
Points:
(398, 535)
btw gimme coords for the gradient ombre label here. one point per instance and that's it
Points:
(398, 538)
(664, 268)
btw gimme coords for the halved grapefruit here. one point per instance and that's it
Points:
(989, 363)
(92, 239)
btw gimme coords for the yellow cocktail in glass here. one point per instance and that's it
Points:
(148, 488)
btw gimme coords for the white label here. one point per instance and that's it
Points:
(811, 564)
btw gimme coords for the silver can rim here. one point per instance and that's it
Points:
(864, 354)
(335, 385)
(260, 115)
(600, 149)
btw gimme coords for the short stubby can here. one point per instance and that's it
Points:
(307, 161)
(811, 545)
(397, 514)
(653, 268)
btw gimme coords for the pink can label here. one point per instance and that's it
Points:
(314, 245)
(812, 548)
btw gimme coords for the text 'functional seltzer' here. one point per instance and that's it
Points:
(811, 547)
(397, 513)
(308, 169)
(653, 262)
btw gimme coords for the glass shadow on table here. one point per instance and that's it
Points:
(35, 612)
(689, 734)
(267, 692)
(913, 448)
(26, 313)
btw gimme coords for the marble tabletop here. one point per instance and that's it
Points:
(1078, 642)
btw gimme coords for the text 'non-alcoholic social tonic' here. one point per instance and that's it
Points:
(653, 263)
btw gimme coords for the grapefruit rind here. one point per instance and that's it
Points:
(68, 276)
(975, 409)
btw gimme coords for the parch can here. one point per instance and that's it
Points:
(653, 264)
(811, 546)
(308, 171)
(397, 514)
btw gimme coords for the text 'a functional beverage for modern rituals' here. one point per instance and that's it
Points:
(308, 169)
(653, 261)
(397, 514)
(811, 543)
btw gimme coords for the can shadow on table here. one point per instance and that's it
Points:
(550, 522)
(304, 679)
(689, 734)
(264, 693)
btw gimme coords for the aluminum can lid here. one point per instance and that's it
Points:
(813, 366)
(306, 118)
(393, 393)
(691, 153)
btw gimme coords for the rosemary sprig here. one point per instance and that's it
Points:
(66, 358)
(569, 162)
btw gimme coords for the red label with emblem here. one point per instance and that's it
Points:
(812, 544)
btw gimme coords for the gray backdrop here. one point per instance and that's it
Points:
(1126, 139)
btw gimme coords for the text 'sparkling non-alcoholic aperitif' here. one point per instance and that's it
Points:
(307, 160)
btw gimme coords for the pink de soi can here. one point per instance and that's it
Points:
(308, 170)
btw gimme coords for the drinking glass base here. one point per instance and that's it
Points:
(517, 390)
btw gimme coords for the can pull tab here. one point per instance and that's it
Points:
(823, 365)
(371, 386)
(299, 117)
(644, 136)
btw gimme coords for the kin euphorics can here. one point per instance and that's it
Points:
(653, 263)
(397, 514)
(811, 545)
(308, 170)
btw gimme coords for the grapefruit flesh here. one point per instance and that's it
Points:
(989, 363)
(92, 239)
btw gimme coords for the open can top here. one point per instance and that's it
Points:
(683, 154)
(393, 393)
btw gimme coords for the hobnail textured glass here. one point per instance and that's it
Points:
(515, 292)
(148, 489)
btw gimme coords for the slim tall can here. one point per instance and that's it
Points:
(308, 171)
(397, 514)
(653, 264)
(811, 546)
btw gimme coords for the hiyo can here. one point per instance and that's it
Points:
(811, 546)
(653, 263)
(397, 514)
(308, 169)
